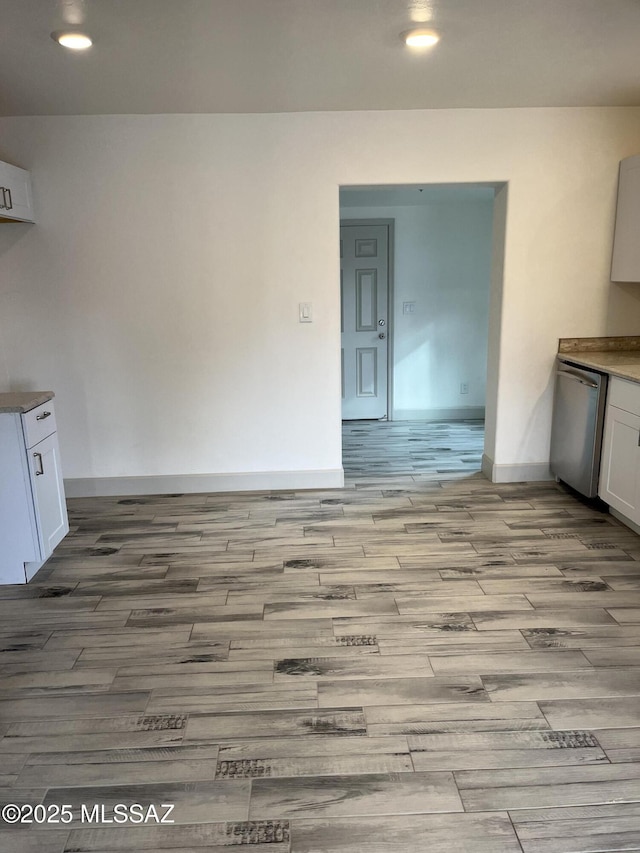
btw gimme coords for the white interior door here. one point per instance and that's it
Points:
(364, 282)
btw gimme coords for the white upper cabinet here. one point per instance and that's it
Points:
(625, 265)
(15, 194)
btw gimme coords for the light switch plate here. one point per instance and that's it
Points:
(305, 312)
(408, 307)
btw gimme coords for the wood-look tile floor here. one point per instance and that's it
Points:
(423, 661)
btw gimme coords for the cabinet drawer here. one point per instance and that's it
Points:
(624, 395)
(39, 423)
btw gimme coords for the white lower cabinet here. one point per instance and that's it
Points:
(33, 513)
(620, 467)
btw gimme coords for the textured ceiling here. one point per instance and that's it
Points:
(207, 56)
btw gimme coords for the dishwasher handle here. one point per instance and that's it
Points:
(577, 377)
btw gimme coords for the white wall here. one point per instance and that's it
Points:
(443, 265)
(158, 293)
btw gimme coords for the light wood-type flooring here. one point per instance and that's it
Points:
(423, 662)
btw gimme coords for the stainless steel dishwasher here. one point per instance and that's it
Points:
(578, 422)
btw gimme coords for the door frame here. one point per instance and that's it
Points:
(391, 227)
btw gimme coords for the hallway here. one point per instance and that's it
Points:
(408, 447)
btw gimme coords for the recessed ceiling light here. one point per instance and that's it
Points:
(72, 39)
(420, 38)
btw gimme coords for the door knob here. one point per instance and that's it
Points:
(381, 322)
(382, 336)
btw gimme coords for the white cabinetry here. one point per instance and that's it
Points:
(33, 514)
(625, 264)
(620, 469)
(15, 194)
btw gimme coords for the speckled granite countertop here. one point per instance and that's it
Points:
(617, 356)
(19, 402)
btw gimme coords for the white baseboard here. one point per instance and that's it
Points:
(527, 472)
(624, 520)
(172, 484)
(459, 413)
(487, 467)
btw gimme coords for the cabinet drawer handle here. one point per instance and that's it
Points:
(3, 206)
(9, 205)
(38, 456)
(43, 416)
(567, 374)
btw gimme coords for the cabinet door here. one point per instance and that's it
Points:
(625, 264)
(18, 529)
(48, 494)
(621, 462)
(15, 194)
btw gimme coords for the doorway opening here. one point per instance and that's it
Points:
(417, 264)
